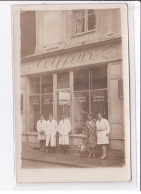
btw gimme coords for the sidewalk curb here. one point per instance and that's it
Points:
(53, 162)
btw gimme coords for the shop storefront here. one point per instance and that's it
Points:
(75, 82)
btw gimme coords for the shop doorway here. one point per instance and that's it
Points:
(63, 104)
(63, 95)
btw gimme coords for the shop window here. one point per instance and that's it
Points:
(81, 80)
(83, 21)
(99, 102)
(81, 110)
(47, 84)
(63, 80)
(46, 105)
(28, 33)
(40, 99)
(90, 95)
(99, 78)
(63, 105)
(34, 112)
(34, 85)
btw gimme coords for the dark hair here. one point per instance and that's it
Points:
(100, 113)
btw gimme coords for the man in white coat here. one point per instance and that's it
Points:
(51, 130)
(64, 130)
(103, 130)
(41, 128)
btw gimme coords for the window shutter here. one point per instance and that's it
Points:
(28, 32)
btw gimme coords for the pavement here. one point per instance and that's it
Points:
(31, 153)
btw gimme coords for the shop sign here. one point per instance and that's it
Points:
(64, 96)
(74, 59)
(81, 99)
(98, 98)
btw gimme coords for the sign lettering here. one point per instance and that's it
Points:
(74, 59)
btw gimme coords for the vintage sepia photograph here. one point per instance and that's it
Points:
(72, 104)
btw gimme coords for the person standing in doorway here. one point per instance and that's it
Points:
(64, 130)
(41, 128)
(103, 130)
(51, 130)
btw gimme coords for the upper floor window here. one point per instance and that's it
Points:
(83, 21)
(28, 32)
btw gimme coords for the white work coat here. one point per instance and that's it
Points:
(51, 130)
(41, 127)
(64, 130)
(102, 136)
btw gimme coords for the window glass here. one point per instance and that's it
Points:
(47, 84)
(81, 80)
(80, 21)
(99, 78)
(83, 21)
(63, 80)
(40, 99)
(99, 102)
(91, 20)
(46, 105)
(34, 85)
(34, 112)
(81, 104)
(63, 105)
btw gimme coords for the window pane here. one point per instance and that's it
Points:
(34, 112)
(80, 25)
(63, 105)
(99, 102)
(34, 85)
(81, 109)
(47, 84)
(63, 80)
(80, 13)
(46, 105)
(81, 80)
(91, 22)
(99, 78)
(79, 21)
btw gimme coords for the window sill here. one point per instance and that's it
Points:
(35, 133)
(84, 33)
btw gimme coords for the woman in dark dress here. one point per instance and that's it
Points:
(90, 131)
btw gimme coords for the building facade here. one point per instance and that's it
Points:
(71, 62)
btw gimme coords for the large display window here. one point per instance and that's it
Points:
(88, 94)
(40, 99)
